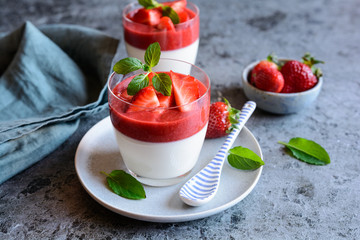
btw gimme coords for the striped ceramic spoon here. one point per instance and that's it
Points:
(202, 187)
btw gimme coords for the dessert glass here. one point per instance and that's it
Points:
(181, 44)
(160, 146)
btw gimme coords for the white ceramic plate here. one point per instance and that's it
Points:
(98, 151)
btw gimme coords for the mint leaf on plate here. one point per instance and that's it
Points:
(244, 159)
(307, 151)
(127, 65)
(125, 185)
(162, 83)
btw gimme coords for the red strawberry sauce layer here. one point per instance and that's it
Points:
(155, 125)
(142, 35)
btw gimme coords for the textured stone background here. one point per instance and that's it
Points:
(292, 200)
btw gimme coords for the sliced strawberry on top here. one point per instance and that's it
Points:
(186, 90)
(145, 98)
(147, 16)
(183, 16)
(165, 101)
(150, 76)
(178, 6)
(125, 96)
(166, 23)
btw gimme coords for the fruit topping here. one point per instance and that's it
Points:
(166, 23)
(165, 9)
(165, 101)
(178, 6)
(221, 119)
(186, 90)
(145, 98)
(125, 96)
(147, 16)
(156, 89)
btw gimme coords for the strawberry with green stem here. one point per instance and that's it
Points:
(266, 75)
(300, 76)
(222, 119)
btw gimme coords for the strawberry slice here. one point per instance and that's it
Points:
(165, 101)
(125, 96)
(147, 16)
(166, 23)
(183, 16)
(146, 97)
(178, 6)
(150, 76)
(186, 90)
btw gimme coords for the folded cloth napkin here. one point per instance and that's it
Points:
(49, 78)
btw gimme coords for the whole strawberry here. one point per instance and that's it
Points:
(300, 76)
(221, 119)
(266, 76)
(270, 62)
(269, 79)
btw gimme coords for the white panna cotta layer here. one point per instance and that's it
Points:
(187, 54)
(160, 161)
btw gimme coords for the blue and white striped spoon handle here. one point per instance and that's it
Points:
(203, 186)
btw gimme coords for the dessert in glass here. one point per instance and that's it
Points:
(160, 137)
(145, 26)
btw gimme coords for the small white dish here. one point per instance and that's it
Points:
(279, 103)
(98, 151)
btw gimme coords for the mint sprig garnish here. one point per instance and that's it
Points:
(244, 159)
(125, 185)
(166, 10)
(161, 81)
(307, 151)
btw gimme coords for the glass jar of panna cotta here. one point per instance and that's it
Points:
(160, 146)
(179, 43)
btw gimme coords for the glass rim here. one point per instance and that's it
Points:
(165, 108)
(127, 7)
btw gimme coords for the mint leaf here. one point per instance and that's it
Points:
(128, 65)
(162, 83)
(125, 185)
(244, 158)
(137, 83)
(152, 54)
(307, 151)
(169, 12)
(148, 4)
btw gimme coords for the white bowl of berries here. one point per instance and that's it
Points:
(282, 86)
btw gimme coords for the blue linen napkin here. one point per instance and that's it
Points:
(49, 78)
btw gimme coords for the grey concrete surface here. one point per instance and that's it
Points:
(292, 200)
